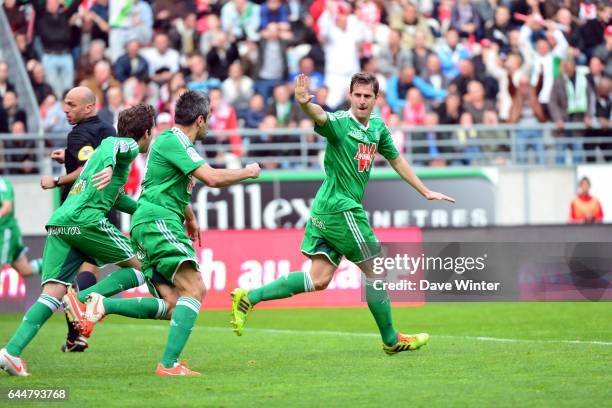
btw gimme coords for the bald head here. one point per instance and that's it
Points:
(79, 104)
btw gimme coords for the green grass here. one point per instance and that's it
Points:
(310, 369)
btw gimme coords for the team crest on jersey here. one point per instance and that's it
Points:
(357, 134)
(365, 155)
(78, 187)
(85, 153)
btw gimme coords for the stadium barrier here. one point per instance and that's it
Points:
(294, 148)
(250, 258)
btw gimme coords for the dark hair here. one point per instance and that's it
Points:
(135, 121)
(585, 179)
(364, 78)
(189, 106)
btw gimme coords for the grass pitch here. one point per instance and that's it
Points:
(495, 354)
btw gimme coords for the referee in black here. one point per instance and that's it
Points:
(85, 136)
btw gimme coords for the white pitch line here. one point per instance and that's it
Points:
(356, 334)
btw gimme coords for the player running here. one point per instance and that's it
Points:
(79, 231)
(338, 225)
(12, 249)
(168, 258)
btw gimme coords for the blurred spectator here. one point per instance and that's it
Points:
(272, 66)
(467, 74)
(26, 49)
(15, 15)
(237, 88)
(413, 113)
(569, 102)
(95, 21)
(604, 51)
(321, 98)
(222, 54)
(274, 11)
(13, 113)
(162, 122)
(4, 127)
(341, 36)
(286, 112)
(101, 81)
(397, 134)
(213, 27)
(527, 111)
(5, 85)
(596, 73)
(134, 91)
(129, 20)
(496, 140)
(163, 61)
(39, 85)
(110, 112)
(55, 32)
(449, 113)
(569, 28)
(408, 22)
(400, 84)
(184, 35)
(543, 57)
(382, 107)
(24, 160)
(467, 136)
(585, 209)
(475, 102)
(88, 60)
(307, 67)
(507, 74)
(314, 155)
(255, 112)
(601, 116)
(451, 52)
(420, 52)
(466, 19)
(498, 30)
(393, 56)
(55, 118)
(433, 76)
(198, 78)
(269, 158)
(222, 118)
(241, 19)
(131, 64)
(170, 92)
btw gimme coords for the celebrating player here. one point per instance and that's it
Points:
(168, 258)
(338, 225)
(79, 231)
(12, 250)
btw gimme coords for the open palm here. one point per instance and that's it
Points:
(301, 89)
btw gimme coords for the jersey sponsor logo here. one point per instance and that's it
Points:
(85, 153)
(78, 188)
(365, 155)
(317, 222)
(64, 231)
(191, 152)
(357, 134)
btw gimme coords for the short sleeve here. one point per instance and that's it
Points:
(385, 145)
(124, 151)
(333, 127)
(181, 153)
(80, 148)
(6, 190)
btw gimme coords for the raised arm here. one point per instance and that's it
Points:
(302, 96)
(401, 167)
(224, 177)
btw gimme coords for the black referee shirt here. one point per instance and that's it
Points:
(83, 139)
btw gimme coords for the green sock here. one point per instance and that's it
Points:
(380, 307)
(139, 308)
(32, 321)
(118, 281)
(284, 287)
(183, 318)
(36, 265)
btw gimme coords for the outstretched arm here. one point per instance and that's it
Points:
(312, 110)
(223, 177)
(401, 166)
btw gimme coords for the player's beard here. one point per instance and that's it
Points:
(202, 132)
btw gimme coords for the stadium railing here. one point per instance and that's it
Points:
(296, 148)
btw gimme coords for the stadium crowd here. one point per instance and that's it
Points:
(438, 62)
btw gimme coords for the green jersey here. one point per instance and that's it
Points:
(167, 183)
(85, 203)
(7, 194)
(350, 153)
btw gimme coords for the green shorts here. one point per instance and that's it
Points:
(162, 246)
(345, 233)
(67, 247)
(12, 244)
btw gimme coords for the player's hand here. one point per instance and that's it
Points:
(432, 195)
(102, 178)
(193, 230)
(253, 169)
(58, 155)
(301, 89)
(47, 182)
